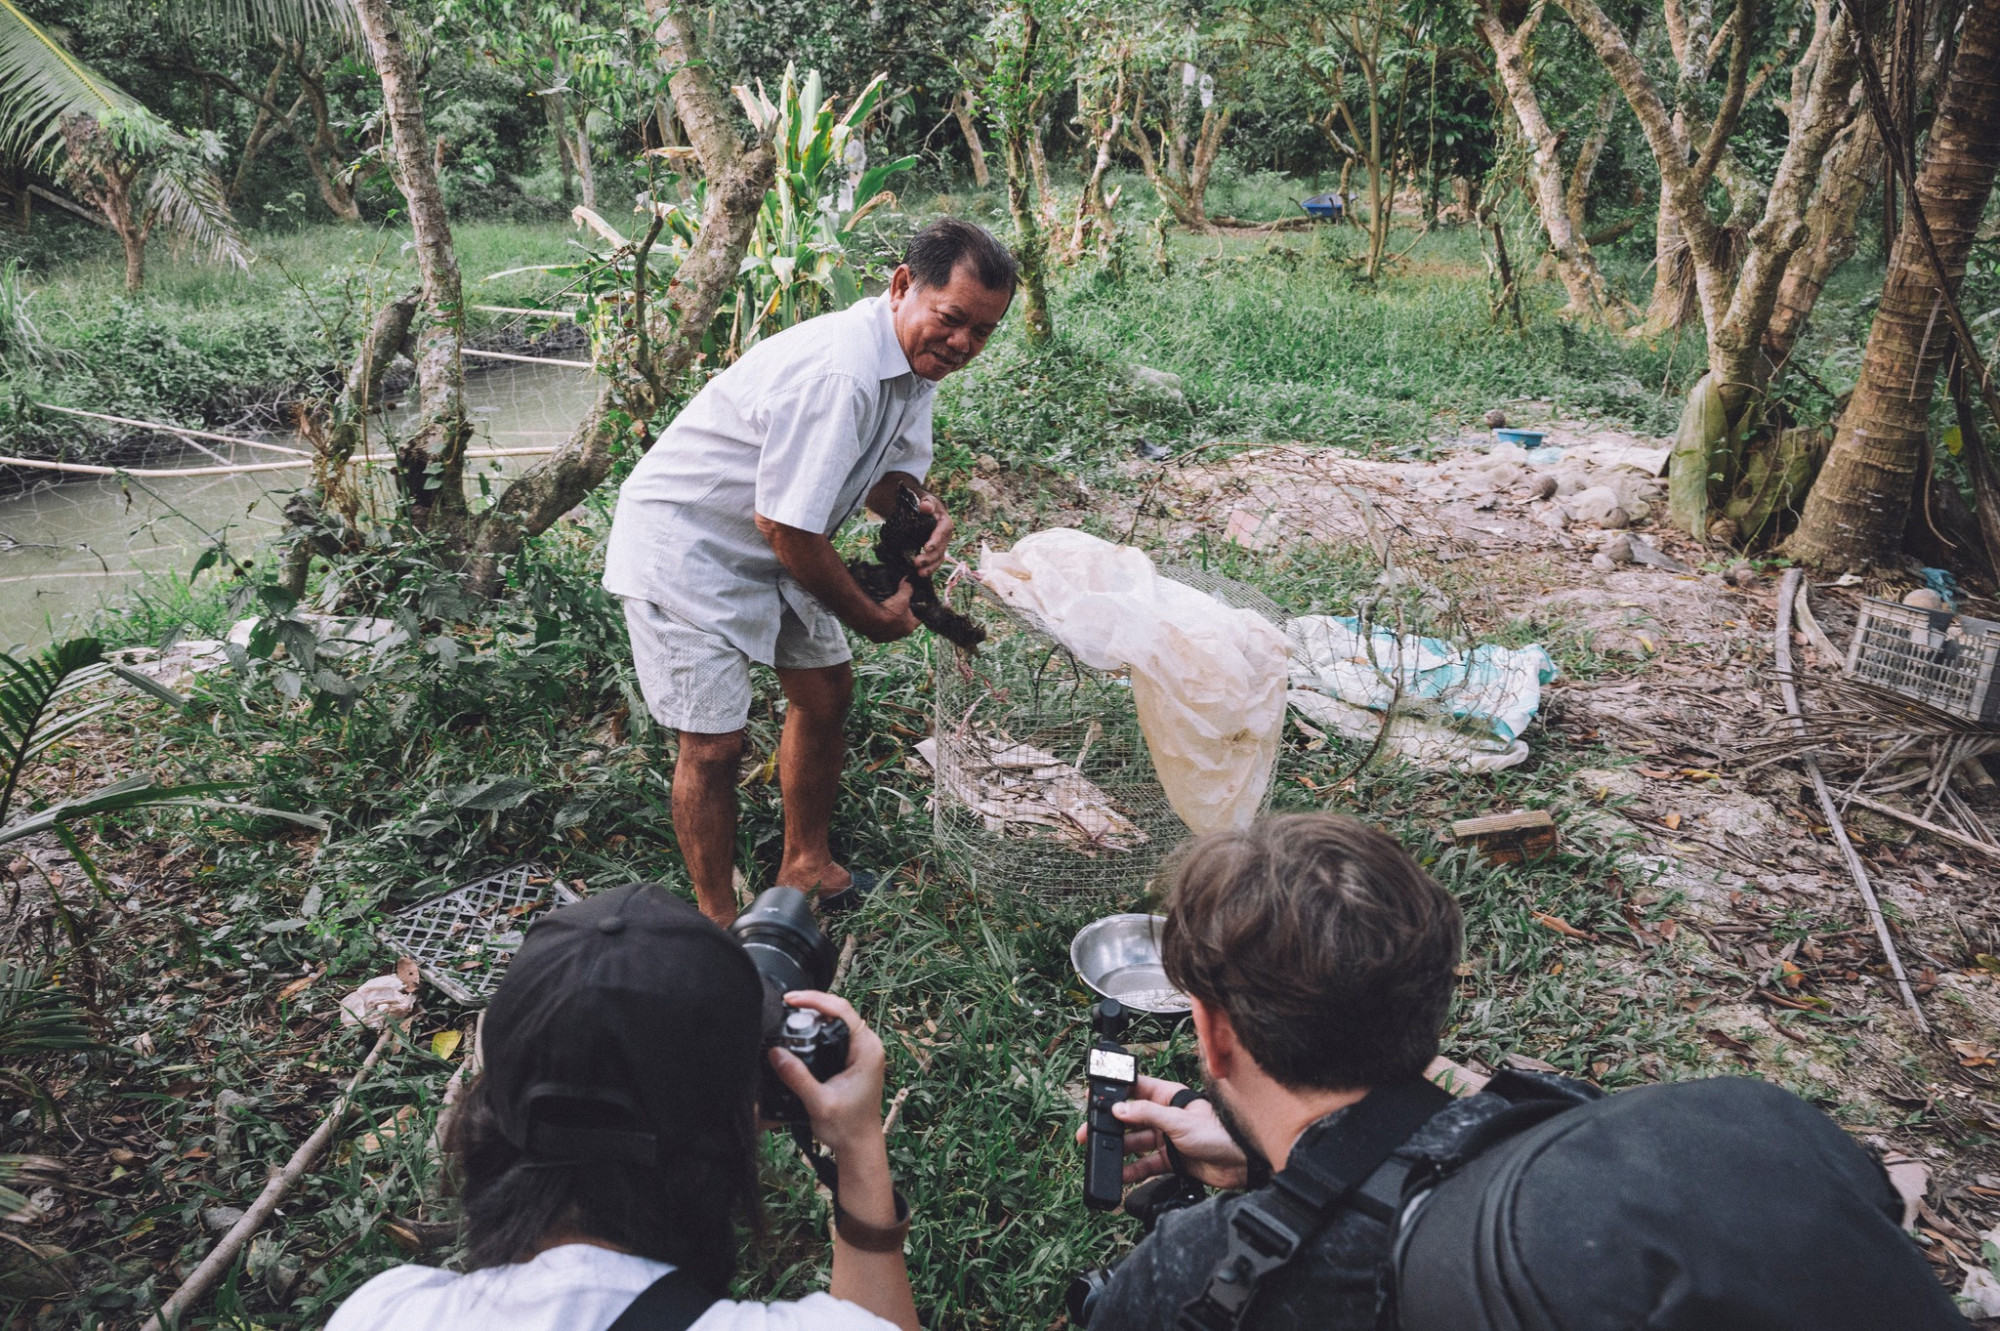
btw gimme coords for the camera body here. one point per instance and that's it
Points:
(791, 951)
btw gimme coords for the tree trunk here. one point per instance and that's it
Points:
(1576, 199)
(260, 127)
(432, 460)
(961, 110)
(1852, 168)
(558, 117)
(1589, 297)
(321, 147)
(585, 171)
(134, 242)
(655, 350)
(1857, 509)
(1091, 208)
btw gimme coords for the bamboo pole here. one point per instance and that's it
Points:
(528, 360)
(214, 1266)
(1786, 590)
(176, 429)
(517, 309)
(90, 469)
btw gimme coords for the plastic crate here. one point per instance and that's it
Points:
(1945, 660)
(463, 940)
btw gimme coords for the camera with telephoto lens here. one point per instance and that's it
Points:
(790, 952)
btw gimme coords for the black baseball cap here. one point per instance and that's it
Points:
(623, 1023)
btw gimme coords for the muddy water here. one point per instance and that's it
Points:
(72, 546)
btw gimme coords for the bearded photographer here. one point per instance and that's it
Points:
(1321, 962)
(606, 1155)
(1319, 958)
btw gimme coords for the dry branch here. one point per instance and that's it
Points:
(1855, 867)
(214, 1266)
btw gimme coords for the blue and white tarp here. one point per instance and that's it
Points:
(1445, 707)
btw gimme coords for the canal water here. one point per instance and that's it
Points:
(74, 544)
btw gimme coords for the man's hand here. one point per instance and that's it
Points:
(846, 1109)
(896, 621)
(1150, 1120)
(929, 559)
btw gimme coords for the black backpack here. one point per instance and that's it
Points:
(1724, 1205)
(1543, 1205)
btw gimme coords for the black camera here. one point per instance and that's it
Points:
(1112, 1073)
(791, 951)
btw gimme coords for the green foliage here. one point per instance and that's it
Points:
(799, 262)
(36, 1018)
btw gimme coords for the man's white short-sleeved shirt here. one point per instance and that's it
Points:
(576, 1287)
(799, 431)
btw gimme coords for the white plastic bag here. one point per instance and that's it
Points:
(1208, 680)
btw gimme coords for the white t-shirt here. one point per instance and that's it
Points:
(576, 1287)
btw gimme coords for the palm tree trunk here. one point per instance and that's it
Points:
(1856, 511)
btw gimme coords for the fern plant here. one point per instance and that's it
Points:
(30, 688)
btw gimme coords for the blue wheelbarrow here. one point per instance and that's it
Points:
(1325, 207)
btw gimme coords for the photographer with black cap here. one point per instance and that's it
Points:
(607, 1152)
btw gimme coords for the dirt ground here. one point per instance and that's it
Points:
(1689, 786)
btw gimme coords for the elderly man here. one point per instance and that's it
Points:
(721, 547)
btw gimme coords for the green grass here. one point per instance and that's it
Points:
(969, 982)
(1278, 340)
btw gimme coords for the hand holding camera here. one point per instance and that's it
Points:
(845, 1110)
(1208, 1153)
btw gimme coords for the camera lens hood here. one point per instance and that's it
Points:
(785, 941)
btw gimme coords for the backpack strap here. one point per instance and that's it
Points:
(1272, 1224)
(674, 1302)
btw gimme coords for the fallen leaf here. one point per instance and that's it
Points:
(1563, 927)
(1526, 1064)
(1911, 1181)
(1672, 822)
(445, 1043)
(403, 1238)
(1700, 774)
(1658, 773)
(296, 987)
(1724, 1040)
(386, 1131)
(1790, 975)
(1987, 962)
(1972, 1054)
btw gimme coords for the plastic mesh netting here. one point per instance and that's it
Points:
(463, 940)
(1043, 784)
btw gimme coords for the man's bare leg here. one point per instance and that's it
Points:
(705, 779)
(809, 765)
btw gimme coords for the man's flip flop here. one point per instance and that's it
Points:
(849, 897)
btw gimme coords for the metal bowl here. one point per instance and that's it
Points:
(1119, 957)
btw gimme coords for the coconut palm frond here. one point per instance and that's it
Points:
(41, 83)
(292, 20)
(191, 203)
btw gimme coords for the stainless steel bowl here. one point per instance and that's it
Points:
(1119, 957)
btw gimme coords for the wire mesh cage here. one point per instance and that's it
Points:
(1935, 657)
(463, 940)
(1043, 783)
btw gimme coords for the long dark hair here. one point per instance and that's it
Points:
(682, 1209)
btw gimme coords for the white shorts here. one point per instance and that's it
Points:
(696, 681)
